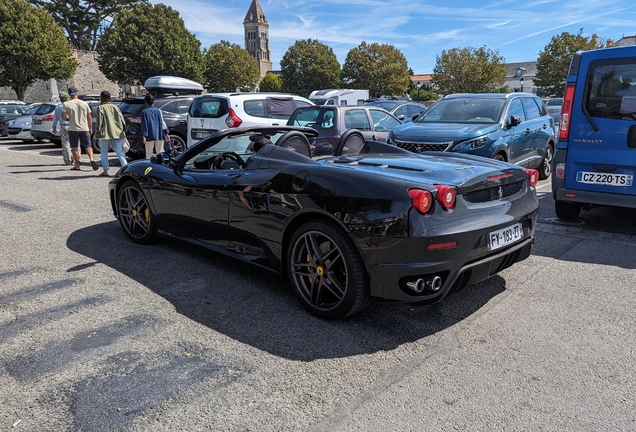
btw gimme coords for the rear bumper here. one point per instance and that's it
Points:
(40, 134)
(595, 198)
(467, 263)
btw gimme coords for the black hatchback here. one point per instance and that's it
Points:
(175, 113)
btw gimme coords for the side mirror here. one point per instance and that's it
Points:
(515, 121)
(401, 117)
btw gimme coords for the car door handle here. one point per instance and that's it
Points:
(275, 124)
(235, 175)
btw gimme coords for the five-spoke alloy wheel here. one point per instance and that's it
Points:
(326, 271)
(135, 216)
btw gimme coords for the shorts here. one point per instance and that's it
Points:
(77, 137)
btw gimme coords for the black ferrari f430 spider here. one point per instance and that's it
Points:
(371, 221)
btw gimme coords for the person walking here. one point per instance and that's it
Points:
(153, 129)
(67, 155)
(111, 131)
(80, 127)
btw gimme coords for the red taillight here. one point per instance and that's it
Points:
(232, 120)
(334, 141)
(533, 176)
(134, 119)
(566, 112)
(48, 117)
(446, 196)
(421, 200)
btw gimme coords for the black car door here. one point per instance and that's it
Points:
(194, 203)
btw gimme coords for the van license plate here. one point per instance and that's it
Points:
(505, 236)
(604, 178)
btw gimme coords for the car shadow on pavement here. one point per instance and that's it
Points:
(258, 308)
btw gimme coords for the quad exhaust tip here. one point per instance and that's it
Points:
(432, 284)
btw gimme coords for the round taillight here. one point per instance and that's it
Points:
(446, 196)
(533, 176)
(421, 200)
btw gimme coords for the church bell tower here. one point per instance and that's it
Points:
(257, 37)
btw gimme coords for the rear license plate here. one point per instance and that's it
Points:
(505, 236)
(37, 121)
(604, 178)
(202, 135)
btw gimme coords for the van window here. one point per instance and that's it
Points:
(532, 110)
(208, 107)
(612, 89)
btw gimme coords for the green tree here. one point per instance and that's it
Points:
(554, 61)
(271, 83)
(309, 65)
(32, 47)
(469, 70)
(148, 40)
(84, 21)
(381, 69)
(228, 67)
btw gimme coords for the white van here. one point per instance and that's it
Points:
(215, 111)
(339, 97)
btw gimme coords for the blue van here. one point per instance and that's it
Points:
(595, 159)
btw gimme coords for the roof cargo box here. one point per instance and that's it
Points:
(163, 84)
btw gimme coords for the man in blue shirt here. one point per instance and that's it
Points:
(153, 129)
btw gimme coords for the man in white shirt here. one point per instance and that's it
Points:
(80, 127)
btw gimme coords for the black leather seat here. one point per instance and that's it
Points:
(351, 142)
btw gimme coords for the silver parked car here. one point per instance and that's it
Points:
(553, 106)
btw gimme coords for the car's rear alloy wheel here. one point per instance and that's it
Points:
(135, 216)
(567, 210)
(545, 169)
(326, 271)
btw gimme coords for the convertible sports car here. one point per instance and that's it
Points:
(371, 221)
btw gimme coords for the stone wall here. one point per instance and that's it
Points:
(88, 79)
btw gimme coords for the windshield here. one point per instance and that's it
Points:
(464, 110)
(553, 102)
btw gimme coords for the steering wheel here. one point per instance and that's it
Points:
(228, 155)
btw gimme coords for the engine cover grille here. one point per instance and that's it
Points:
(493, 193)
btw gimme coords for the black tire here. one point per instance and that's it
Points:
(545, 169)
(177, 145)
(97, 149)
(567, 210)
(499, 157)
(135, 215)
(326, 271)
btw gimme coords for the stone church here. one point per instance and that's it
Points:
(257, 37)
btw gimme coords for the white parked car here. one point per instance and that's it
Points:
(216, 111)
(42, 126)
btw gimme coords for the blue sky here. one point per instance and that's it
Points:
(420, 29)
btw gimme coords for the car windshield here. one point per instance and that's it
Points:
(239, 144)
(464, 110)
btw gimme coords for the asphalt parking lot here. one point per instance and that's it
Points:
(100, 334)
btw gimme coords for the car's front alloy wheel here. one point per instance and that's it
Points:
(176, 146)
(135, 215)
(326, 271)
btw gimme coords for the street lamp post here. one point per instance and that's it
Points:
(521, 83)
(418, 85)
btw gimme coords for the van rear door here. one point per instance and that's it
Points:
(601, 147)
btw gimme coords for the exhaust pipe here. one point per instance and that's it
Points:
(432, 284)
